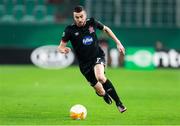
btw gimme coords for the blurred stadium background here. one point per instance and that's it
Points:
(150, 27)
(28, 24)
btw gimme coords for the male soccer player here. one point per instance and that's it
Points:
(82, 34)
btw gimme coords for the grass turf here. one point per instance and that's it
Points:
(29, 95)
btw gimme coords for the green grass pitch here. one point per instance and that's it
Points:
(30, 95)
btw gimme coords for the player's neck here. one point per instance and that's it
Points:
(81, 25)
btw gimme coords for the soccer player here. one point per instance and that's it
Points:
(82, 34)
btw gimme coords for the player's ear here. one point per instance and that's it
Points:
(74, 15)
(85, 13)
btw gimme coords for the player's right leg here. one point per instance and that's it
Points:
(88, 72)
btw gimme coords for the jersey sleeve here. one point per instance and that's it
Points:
(66, 35)
(99, 25)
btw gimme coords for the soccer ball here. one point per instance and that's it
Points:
(78, 112)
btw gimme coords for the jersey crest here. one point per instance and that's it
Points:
(91, 29)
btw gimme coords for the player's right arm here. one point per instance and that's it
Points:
(62, 47)
(65, 38)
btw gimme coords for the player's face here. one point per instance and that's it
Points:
(80, 18)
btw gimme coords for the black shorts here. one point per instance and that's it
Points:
(87, 69)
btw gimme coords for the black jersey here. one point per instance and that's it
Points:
(84, 40)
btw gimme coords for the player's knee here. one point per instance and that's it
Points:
(99, 89)
(101, 79)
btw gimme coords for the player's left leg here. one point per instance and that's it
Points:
(108, 86)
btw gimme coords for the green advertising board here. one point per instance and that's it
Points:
(139, 58)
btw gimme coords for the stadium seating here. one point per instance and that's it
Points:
(125, 13)
(2, 11)
(19, 12)
(26, 11)
(135, 13)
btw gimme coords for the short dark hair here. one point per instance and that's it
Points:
(78, 9)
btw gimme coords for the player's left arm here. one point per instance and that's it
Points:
(116, 40)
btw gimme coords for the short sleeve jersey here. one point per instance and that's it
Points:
(84, 40)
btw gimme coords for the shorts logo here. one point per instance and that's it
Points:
(98, 59)
(87, 40)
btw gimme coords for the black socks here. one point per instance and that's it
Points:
(109, 88)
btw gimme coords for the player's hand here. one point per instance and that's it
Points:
(121, 49)
(67, 50)
(64, 50)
